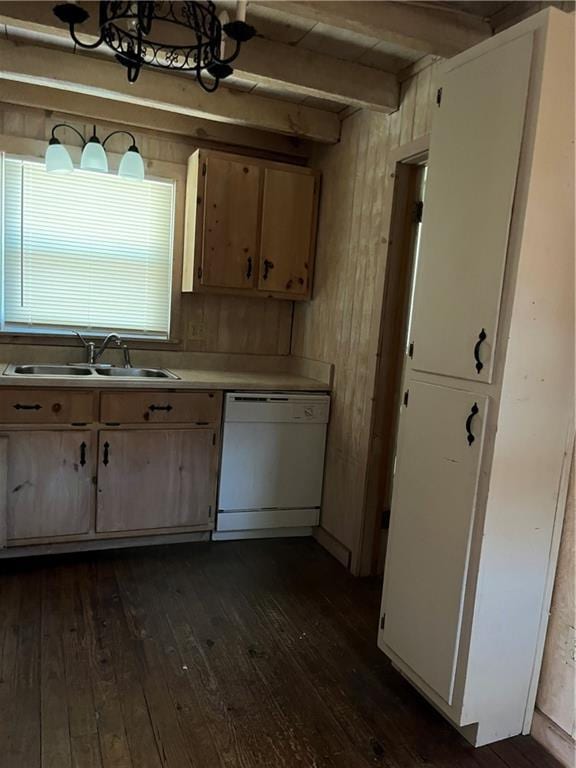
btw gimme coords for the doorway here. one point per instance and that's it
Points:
(409, 167)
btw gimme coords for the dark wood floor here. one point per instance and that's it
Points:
(244, 654)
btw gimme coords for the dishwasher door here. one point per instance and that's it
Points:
(273, 451)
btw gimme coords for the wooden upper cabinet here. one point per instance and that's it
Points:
(230, 232)
(287, 232)
(250, 227)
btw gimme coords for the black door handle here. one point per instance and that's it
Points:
(473, 411)
(481, 339)
(82, 454)
(160, 407)
(249, 267)
(268, 265)
(105, 458)
(21, 407)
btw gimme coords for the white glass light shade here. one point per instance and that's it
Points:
(94, 157)
(132, 165)
(58, 159)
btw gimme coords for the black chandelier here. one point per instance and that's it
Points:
(134, 31)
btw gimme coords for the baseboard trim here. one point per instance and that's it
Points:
(554, 739)
(89, 545)
(332, 545)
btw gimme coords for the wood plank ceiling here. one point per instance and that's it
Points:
(310, 64)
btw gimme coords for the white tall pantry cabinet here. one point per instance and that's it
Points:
(486, 430)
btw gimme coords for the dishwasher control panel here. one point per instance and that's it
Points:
(270, 408)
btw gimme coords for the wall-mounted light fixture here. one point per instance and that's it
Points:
(93, 157)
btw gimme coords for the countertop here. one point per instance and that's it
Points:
(188, 379)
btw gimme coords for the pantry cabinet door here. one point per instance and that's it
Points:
(50, 490)
(286, 248)
(438, 461)
(475, 147)
(231, 223)
(154, 479)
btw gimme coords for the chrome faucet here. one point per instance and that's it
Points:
(94, 354)
(90, 348)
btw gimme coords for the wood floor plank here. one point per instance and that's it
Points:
(249, 654)
(53, 693)
(114, 748)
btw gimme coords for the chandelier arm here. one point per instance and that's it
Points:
(114, 133)
(70, 127)
(229, 59)
(88, 46)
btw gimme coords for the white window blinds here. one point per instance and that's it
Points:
(85, 250)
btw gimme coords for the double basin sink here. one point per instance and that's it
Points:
(82, 369)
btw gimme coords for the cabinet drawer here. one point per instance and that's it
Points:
(45, 406)
(160, 407)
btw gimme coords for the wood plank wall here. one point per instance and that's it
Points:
(208, 323)
(337, 326)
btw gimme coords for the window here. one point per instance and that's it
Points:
(84, 251)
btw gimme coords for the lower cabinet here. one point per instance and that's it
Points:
(49, 483)
(155, 478)
(438, 463)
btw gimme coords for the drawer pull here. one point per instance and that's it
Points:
(248, 267)
(21, 407)
(160, 407)
(105, 458)
(82, 454)
(469, 435)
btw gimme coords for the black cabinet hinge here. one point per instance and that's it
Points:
(418, 211)
(203, 169)
(382, 622)
(439, 96)
(406, 394)
(199, 273)
(385, 520)
(411, 349)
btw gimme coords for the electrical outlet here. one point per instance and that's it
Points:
(196, 332)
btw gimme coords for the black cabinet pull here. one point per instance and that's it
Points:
(160, 407)
(105, 458)
(82, 454)
(481, 339)
(21, 407)
(473, 411)
(249, 267)
(268, 265)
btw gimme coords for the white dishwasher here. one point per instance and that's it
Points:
(272, 465)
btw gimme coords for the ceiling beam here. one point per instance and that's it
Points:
(198, 132)
(313, 74)
(430, 30)
(173, 93)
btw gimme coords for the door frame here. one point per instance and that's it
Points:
(392, 319)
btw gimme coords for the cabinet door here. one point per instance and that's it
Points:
(287, 232)
(231, 223)
(474, 152)
(50, 491)
(157, 478)
(433, 506)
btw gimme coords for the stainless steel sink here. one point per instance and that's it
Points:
(47, 370)
(78, 369)
(136, 373)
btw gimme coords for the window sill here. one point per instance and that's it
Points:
(67, 339)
